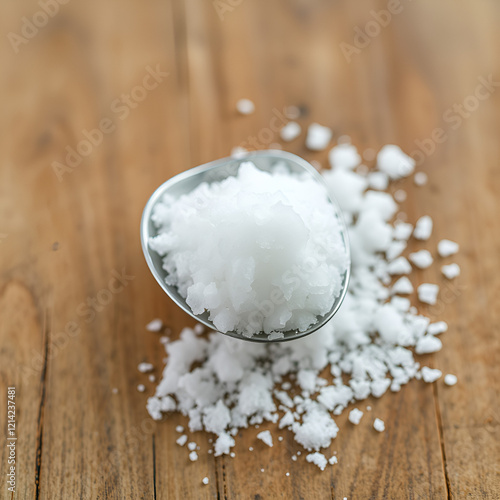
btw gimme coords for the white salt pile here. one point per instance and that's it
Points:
(262, 252)
(222, 384)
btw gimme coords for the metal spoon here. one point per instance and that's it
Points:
(216, 171)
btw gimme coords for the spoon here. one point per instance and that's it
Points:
(219, 170)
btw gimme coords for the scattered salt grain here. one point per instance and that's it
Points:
(318, 137)
(402, 286)
(399, 266)
(402, 230)
(333, 460)
(205, 480)
(400, 195)
(427, 293)
(317, 459)
(422, 259)
(394, 162)
(450, 379)
(430, 375)
(423, 228)
(152, 378)
(266, 437)
(437, 327)
(141, 388)
(198, 328)
(179, 428)
(344, 156)
(355, 416)
(145, 367)
(290, 131)
(451, 271)
(280, 438)
(251, 448)
(378, 180)
(379, 425)
(232, 454)
(181, 440)
(428, 344)
(245, 106)
(294, 458)
(192, 446)
(420, 178)
(193, 456)
(447, 248)
(114, 390)
(154, 326)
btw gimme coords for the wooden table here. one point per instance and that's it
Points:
(76, 294)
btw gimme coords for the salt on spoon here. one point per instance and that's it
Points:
(224, 175)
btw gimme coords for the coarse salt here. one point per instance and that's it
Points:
(222, 385)
(451, 271)
(266, 437)
(155, 325)
(379, 425)
(290, 131)
(205, 480)
(450, 379)
(318, 137)
(422, 259)
(420, 178)
(447, 248)
(145, 367)
(355, 416)
(250, 240)
(423, 228)
(427, 293)
(245, 106)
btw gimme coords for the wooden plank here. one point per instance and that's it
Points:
(66, 241)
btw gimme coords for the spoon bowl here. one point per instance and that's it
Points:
(217, 171)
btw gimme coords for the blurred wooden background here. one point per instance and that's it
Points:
(70, 332)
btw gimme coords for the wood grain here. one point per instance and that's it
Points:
(75, 292)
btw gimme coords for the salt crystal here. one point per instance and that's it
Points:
(294, 458)
(402, 230)
(394, 162)
(355, 416)
(145, 367)
(287, 474)
(430, 375)
(290, 131)
(266, 437)
(181, 441)
(420, 178)
(191, 446)
(179, 428)
(245, 106)
(114, 390)
(438, 327)
(333, 460)
(451, 271)
(198, 328)
(205, 480)
(344, 156)
(422, 259)
(317, 459)
(427, 293)
(379, 425)
(152, 378)
(400, 195)
(423, 228)
(193, 456)
(399, 266)
(447, 248)
(318, 137)
(450, 379)
(428, 344)
(402, 286)
(154, 326)
(378, 180)
(141, 388)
